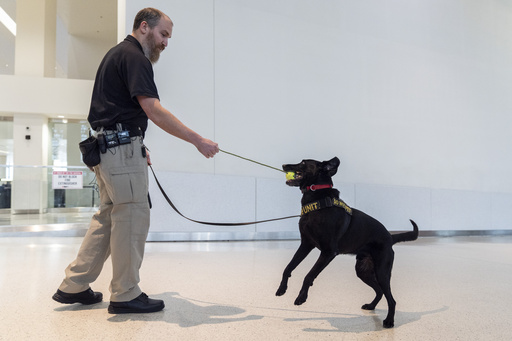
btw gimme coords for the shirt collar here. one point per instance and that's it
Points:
(134, 40)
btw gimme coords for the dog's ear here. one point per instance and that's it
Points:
(332, 166)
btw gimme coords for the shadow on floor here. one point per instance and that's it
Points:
(184, 313)
(372, 321)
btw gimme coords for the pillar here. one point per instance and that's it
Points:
(30, 184)
(36, 23)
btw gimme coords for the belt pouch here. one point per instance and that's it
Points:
(90, 151)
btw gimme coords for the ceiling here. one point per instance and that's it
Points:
(92, 23)
(91, 18)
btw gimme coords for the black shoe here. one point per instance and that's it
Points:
(141, 304)
(85, 297)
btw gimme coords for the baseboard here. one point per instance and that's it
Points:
(79, 230)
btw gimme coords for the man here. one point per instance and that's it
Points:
(124, 97)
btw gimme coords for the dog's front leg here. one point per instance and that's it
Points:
(325, 258)
(304, 250)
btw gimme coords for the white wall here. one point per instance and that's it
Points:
(405, 93)
(45, 96)
(412, 96)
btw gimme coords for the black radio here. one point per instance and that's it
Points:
(111, 140)
(116, 139)
(124, 137)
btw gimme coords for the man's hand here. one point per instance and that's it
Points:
(148, 157)
(207, 147)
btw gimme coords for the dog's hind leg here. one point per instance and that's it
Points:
(365, 270)
(383, 271)
(302, 252)
(325, 258)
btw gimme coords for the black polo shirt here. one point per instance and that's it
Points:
(123, 74)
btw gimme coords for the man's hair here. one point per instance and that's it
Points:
(150, 15)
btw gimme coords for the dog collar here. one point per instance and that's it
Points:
(316, 187)
(325, 203)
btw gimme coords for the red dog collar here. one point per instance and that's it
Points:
(316, 187)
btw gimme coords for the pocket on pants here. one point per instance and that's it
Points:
(129, 184)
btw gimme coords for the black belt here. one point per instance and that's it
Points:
(134, 131)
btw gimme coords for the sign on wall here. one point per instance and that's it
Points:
(67, 180)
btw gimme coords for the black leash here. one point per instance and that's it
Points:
(209, 223)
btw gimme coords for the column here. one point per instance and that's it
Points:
(35, 57)
(30, 184)
(36, 23)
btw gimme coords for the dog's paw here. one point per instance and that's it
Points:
(368, 307)
(281, 291)
(388, 324)
(282, 288)
(301, 299)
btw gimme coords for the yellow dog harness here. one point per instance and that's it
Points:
(324, 203)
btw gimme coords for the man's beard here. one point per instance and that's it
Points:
(151, 51)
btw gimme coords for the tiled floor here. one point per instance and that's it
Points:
(62, 223)
(455, 288)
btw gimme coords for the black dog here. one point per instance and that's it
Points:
(328, 224)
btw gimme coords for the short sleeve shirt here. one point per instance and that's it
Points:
(123, 74)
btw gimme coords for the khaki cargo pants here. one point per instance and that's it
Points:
(120, 227)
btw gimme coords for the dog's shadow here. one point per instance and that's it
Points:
(184, 313)
(360, 324)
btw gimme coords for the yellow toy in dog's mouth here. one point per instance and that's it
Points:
(290, 175)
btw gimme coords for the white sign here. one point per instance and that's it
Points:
(67, 180)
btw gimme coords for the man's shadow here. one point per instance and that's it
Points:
(184, 313)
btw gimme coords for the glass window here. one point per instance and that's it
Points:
(64, 155)
(64, 138)
(6, 148)
(6, 161)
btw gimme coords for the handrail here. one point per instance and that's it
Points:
(34, 166)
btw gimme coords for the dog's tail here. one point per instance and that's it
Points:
(406, 236)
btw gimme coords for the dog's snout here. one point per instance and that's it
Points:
(288, 167)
